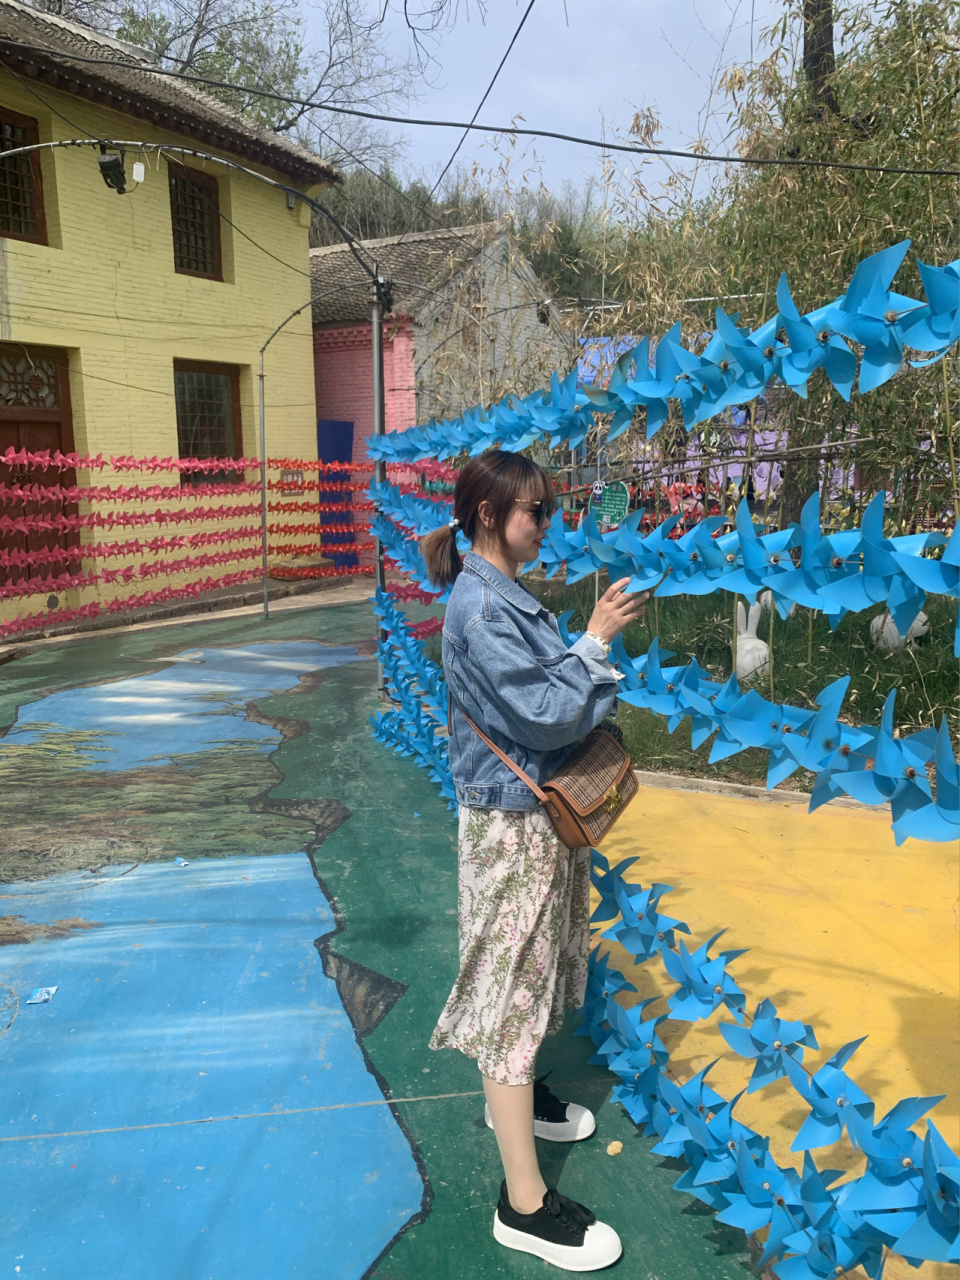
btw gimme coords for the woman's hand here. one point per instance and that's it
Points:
(615, 609)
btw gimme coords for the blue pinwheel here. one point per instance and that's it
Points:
(818, 565)
(898, 776)
(633, 1042)
(941, 575)
(751, 721)
(831, 1096)
(935, 326)
(556, 413)
(940, 820)
(771, 1040)
(765, 561)
(881, 578)
(618, 397)
(638, 1096)
(767, 1196)
(673, 1100)
(820, 736)
(715, 1138)
(720, 371)
(812, 345)
(604, 552)
(557, 546)
(871, 315)
(655, 387)
(934, 1235)
(715, 1192)
(602, 982)
(642, 930)
(834, 1241)
(755, 353)
(697, 564)
(659, 690)
(650, 554)
(893, 1183)
(891, 1147)
(704, 982)
(605, 880)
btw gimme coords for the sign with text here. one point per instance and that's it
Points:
(610, 502)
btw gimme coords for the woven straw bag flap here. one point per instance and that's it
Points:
(593, 774)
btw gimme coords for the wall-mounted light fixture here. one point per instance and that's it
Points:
(111, 169)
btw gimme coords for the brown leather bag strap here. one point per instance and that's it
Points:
(496, 751)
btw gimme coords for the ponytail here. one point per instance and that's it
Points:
(442, 555)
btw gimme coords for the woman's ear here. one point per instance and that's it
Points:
(485, 512)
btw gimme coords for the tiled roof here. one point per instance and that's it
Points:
(427, 259)
(137, 90)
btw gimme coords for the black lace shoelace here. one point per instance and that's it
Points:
(574, 1217)
(546, 1105)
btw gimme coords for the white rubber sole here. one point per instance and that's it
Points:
(580, 1124)
(601, 1247)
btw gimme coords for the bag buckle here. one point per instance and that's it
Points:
(611, 801)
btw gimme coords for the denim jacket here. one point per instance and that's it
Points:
(507, 667)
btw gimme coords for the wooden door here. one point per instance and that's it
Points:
(35, 415)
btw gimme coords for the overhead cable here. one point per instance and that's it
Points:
(793, 162)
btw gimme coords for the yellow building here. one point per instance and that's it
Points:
(131, 324)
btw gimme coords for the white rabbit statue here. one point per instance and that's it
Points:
(753, 654)
(766, 603)
(884, 633)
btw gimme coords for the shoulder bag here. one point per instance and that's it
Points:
(586, 796)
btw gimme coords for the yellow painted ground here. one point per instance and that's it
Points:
(845, 931)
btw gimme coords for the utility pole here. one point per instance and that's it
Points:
(380, 302)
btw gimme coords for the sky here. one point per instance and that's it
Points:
(576, 65)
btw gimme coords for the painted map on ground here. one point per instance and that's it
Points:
(195, 1100)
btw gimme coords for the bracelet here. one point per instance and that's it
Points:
(604, 644)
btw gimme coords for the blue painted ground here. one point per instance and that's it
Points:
(194, 705)
(201, 996)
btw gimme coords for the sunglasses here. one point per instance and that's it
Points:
(541, 511)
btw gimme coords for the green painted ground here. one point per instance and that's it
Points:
(393, 878)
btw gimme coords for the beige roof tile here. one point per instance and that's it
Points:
(137, 90)
(416, 263)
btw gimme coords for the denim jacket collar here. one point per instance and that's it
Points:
(511, 591)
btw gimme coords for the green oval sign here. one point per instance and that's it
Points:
(612, 504)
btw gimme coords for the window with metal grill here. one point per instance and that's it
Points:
(208, 416)
(21, 191)
(195, 212)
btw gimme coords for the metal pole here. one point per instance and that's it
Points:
(263, 491)
(379, 468)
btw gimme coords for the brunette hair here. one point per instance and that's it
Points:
(497, 477)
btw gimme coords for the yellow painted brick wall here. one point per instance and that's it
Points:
(105, 289)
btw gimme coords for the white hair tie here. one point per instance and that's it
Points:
(453, 524)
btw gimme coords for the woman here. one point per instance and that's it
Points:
(524, 896)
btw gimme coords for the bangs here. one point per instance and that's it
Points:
(539, 488)
(519, 479)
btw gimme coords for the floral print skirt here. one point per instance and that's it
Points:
(524, 938)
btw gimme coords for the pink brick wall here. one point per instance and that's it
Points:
(343, 374)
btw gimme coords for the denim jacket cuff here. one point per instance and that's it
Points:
(591, 655)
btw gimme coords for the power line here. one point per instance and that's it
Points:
(473, 118)
(463, 136)
(595, 143)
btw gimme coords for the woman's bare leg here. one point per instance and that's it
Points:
(511, 1109)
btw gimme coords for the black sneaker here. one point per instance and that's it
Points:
(554, 1120)
(561, 1232)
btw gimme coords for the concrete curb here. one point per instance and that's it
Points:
(684, 782)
